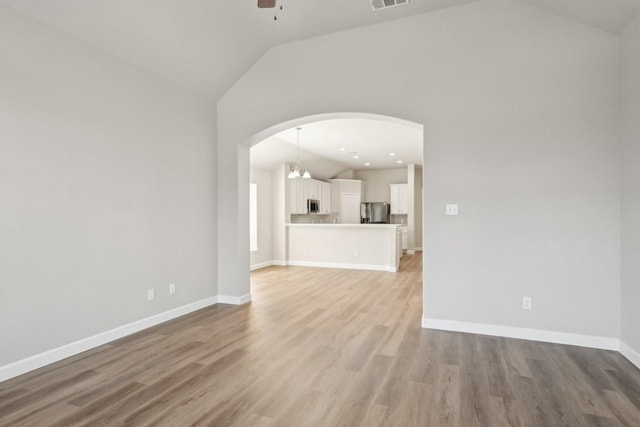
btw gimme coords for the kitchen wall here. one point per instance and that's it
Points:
(107, 189)
(520, 110)
(377, 188)
(264, 181)
(630, 60)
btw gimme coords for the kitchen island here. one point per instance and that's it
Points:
(352, 246)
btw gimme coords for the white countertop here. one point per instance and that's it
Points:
(343, 225)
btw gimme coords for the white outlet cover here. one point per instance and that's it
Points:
(452, 209)
(151, 294)
(172, 288)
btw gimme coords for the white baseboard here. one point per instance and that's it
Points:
(411, 251)
(389, 268)
(261, 265)
(279, 262)
(523, 333)
(51, 356)
(630, 353)
(419, 249)
(227, 299)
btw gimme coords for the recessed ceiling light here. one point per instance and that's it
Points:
(367, 164)
(343, 149)
(392, 154)
(399, 161)
(356, 157)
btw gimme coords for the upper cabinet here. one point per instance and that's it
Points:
(399, 198)
(325, 197)
(301, 189)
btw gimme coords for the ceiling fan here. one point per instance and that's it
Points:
(263, 4)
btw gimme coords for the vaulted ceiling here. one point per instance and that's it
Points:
(204, 46)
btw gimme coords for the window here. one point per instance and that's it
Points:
(253, 217)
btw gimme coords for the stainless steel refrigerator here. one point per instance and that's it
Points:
(374, 213)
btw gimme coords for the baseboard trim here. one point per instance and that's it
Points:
(227, 299)
(411, 251)
(523, 333)
(261, 265)
(632, 355)
(343, 266)
(54, 355)
(278, 262)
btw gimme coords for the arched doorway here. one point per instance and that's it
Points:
(280, 215)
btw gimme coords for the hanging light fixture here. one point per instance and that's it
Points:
(296, 170)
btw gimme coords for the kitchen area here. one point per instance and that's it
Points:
(343, 193)
(339, 224)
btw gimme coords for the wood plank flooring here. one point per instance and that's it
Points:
(322, 347)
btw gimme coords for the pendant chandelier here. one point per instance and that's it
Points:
(296, 170)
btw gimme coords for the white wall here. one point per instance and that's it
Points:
(280, 214)
(521, 130)
(377, 188)
(630, 60)
(264, 183)
(107, 188)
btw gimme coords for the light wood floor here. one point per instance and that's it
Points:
(323, 347)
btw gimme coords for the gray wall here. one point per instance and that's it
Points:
(107, 188)
(520, 110)
(415, 207)
(630, 66)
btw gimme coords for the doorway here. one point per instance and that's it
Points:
(350, 208)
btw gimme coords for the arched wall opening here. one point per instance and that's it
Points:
(236, 262)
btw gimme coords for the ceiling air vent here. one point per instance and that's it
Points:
(384, 4)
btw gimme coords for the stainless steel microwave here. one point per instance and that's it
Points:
(313, 206)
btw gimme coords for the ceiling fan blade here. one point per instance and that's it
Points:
(266, 3)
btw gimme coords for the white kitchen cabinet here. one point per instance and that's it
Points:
(325, 198)
(404, 237)
(399, 198)
(313, 190)
(297, 195)
(301, 189)
(398, 246)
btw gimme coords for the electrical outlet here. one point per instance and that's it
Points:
(151, 294)
(357, 253)
(452, 210)
(172, 288)
(526, 303)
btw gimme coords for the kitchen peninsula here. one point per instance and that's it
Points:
(351, 246)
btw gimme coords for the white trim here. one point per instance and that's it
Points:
(418, 249)
(631, 354)
(279, 262)
(262, 265)
(228, 299)
(388, 268)
(411, 251)
(54, 355)
(523, 333)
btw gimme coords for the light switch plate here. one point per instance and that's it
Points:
(452, 210)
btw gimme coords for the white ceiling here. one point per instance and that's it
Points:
(204, 46)
(371, 140)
